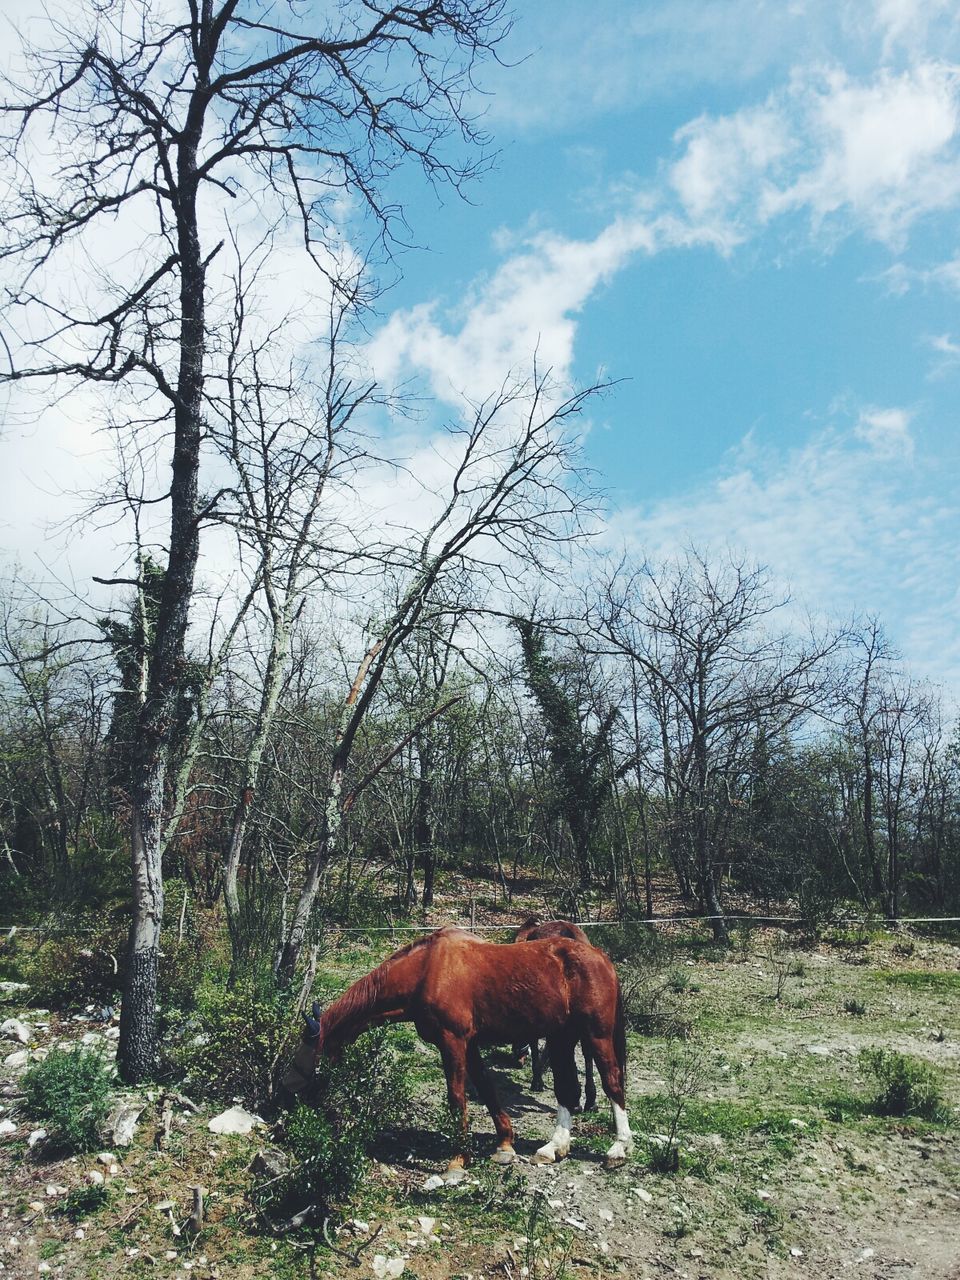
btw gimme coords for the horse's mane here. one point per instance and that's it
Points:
(363, 994)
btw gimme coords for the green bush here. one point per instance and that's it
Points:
(235, 1043)
(71, 970)
(357, 1098)
(69, 1091)
(907, 1087)
(86, 1199)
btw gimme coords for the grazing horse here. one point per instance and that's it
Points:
(460, 993)
(532, 930)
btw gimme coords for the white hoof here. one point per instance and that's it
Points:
(618, 1155)
(545, 1155)
(503, 1155)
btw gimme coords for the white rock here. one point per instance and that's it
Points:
(18, 1060)
(95, 1177)
(234, 1120)
(79, 1233)
(865, 1254)
(799, 1124)
(605, 1215)
(426, 1225)
(384, 1268)
(54, 1190)
(14, 1029)
(577, 1222)
(36, 1136)
(818, 1050)
(171, 1255)
(43, 1268)
(112, 1033)
(106, 1157)
(123, 1120)
(7, 1126)
(764, 1195)
(433, 1183)
(643, 1194)
(796, 1253)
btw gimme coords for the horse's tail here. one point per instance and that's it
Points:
(620, 1031)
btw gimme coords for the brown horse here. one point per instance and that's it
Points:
(533, 930)
(460, 993)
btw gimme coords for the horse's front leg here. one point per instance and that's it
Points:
(484, 1086)
(454, 1055)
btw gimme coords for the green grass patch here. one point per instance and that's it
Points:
(85, 1200)
(933, 983)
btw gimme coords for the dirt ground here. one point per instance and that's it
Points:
(784, 1171)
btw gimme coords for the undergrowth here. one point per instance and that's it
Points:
(69, 1091)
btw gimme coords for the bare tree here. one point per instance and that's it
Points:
(155, 117)
(699, 635)
(511, 494)
(288, 434)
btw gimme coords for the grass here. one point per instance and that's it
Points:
(925, 981)
(735, 1136)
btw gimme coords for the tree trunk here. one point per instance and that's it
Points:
(136, 1053)
(137, 1048)
(269, 700)
(423, 826)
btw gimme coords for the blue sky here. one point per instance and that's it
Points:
(747, 212)
(743, 211)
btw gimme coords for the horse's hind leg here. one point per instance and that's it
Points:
(566, 1085)
(590, 1086)
(611, 1077)
(454, 1055)
(488, 1096)
(538, 1059)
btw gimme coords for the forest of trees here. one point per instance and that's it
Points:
(674, 731)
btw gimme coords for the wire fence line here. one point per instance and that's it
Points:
(875, 922)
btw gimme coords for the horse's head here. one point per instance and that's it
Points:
(299, 1075)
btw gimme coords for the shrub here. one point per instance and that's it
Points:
(70, 1092)
(235, 1043)
(856, 1007)
(86, 1199)
(907, 1087)
(357, 1098)
(69, 971)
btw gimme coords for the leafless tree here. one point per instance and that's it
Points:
(512, 493)
(699, 635)
(154, 117)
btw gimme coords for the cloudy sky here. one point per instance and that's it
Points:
(744, 212)
(747, 211)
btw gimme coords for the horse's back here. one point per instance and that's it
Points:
(500, 993)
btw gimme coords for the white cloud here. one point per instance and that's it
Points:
(886, 431)
(528, 305)
(726, 155)
(880, 152)
(843, 523)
